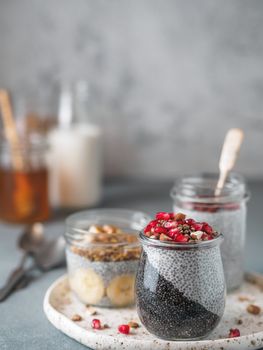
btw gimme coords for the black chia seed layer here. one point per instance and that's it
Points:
(165, 311)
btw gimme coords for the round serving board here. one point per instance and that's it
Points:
(60, 305)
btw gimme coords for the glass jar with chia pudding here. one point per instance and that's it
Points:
(194, 195)
(180, 287)
(102, 254)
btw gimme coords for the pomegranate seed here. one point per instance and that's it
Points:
(170, 224)
(172, 216)
(233, 333)
(173, 232)
(162, 216)
(124, 329)
(181, 238)
(197, 226)
(96, 324)
(190, 222)
(153, 223)
(147, 229)
(160, 229)
(207, 228)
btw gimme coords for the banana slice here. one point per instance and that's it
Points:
(121, 290)
(88, 286)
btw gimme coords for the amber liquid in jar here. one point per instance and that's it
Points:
(24, 195)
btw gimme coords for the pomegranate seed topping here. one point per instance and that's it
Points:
(207, 228)
(190, 221)
(160, 229)
(153, 223)
(124, 329)
(170, 224)
(96, 324)
(233, 333)
(162, 216)
(175, 227)
(173, 232)
(147, 229)
(181, 238)
(197, 226)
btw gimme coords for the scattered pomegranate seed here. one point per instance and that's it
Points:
(234, 333)
(124, 329)
(96, 324)
(162, 216)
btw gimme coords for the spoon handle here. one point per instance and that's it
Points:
(16, 278)
(13, 280)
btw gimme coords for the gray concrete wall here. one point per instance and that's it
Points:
(170, 77)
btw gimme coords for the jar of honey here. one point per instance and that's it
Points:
(24, 181)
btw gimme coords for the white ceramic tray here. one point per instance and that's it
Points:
(60, 305)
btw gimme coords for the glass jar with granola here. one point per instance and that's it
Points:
(102, 253)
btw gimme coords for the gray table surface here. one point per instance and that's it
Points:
(23, 324)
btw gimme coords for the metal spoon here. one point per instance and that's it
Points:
(51, 254)
(30, 241)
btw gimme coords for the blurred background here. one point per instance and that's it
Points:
(166, 78)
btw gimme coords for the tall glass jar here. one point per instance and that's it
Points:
(180, 288)
(194, 196)
(23, 181)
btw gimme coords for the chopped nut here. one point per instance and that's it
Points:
(243, 298)
(179, 216)
(163, 237)
(109, 228)
(253, 309)
(105, 326)
(91, 310)
(95, 229)
(196, 234)
(133, 324)
(239, 321)
(127, 251)
(76, 318)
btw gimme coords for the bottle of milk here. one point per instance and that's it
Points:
(75, 157)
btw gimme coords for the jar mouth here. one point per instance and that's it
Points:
(200, 188)
(181, 246)
(129, 221)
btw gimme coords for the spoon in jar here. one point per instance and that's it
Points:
(229, 154)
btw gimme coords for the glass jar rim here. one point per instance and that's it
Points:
(191, 188)
(181, 246)
(74, 233)
(35, 143)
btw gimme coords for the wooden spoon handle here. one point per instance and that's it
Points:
(10, 129)
(231, 147)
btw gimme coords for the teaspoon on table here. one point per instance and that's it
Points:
(29, 241)
(50, 254)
